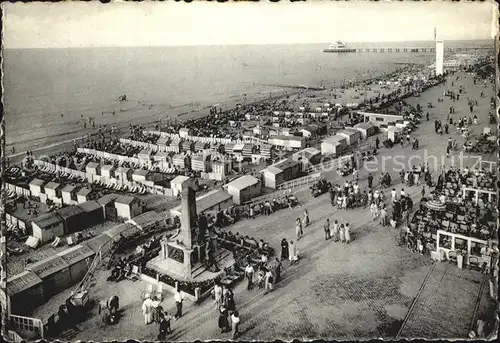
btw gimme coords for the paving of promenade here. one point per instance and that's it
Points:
(361, 290)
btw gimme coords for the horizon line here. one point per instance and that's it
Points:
(228, 44)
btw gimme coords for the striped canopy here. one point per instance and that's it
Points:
(435, 205)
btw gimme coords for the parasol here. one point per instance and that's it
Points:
(435, 205)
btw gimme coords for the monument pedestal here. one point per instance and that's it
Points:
(178, 258)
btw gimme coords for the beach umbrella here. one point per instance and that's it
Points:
(435, 205)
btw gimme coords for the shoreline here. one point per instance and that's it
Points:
(229, 104)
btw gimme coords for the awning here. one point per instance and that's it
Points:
(435, 205)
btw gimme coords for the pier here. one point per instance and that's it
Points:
(408, 49)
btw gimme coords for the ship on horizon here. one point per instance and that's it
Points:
(338, 46)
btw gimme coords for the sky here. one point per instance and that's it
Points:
(83, 24)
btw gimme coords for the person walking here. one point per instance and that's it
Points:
(347, 233)
(268, 281)
(370, 180)
(146, 309)
(293, 253)
(305, 221)
(155, 313)
(229, 300)
(342, 233)
(344, 202)
(374, 210)
(284, 249)
(218, 294)
(235, 322)
(278, 266)
(298, 229)
(178, 298)
(335, 231)
(249, 273)
(164, 326)
(113, 304)
(223, 319)
(327, 229)
(383, 216)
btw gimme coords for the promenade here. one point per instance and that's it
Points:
(365, 289)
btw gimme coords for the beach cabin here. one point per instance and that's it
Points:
(176, 145)
(78, 259)
(93, 213)
(266, 150)
(213, 201)
(260, 130)
(73, 219)
(352, 136)
(333, 145)
(185, 132)
(244, 188)
(313, 130)
(108, 171)
(55, 275)
(163, 142)
(187, 146)
(378, 119)
(394, 133)
(367, 129)
(178, 184)
(24, 292)
(280, 172)
(161, 158)
(222, 168)
(124, 174)
(93, 168)
(127, 207)
(37, 187)
(68, 194)
(107, 203)
(286, 131)
(181, 161)
(238, 149)
(144, 157)
(101, 243)
(200, 163)
(83, 195)
(307, 156)
(47, 226)
(140, 175)
(149, 220)
(200, 146)
(289, 142)
(53, 190)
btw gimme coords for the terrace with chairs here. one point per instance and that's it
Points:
(458, 219)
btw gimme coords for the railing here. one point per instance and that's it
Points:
(303, 181)
(33, 326)
(14, 336)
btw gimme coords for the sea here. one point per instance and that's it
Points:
(50, 93)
